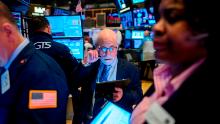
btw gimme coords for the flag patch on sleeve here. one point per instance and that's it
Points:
(39, 99)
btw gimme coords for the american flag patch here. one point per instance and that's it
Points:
(39, 99)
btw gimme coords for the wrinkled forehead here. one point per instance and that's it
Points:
(107, 38)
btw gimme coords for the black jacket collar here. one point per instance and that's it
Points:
(41, 35)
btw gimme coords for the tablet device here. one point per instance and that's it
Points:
(108, 86)
(112, 114)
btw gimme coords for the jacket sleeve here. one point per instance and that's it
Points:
(133, 93)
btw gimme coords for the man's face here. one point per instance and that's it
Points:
(3, 51)
(4, 46)
(107, 50)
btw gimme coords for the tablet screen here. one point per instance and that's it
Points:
(112, 114)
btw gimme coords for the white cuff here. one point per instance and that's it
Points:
(85, 64)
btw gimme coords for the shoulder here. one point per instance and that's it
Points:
(60, 47)
(42, 63)
(124, 62)
(40, 37)
(127, 64)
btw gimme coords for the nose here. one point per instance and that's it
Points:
(107, 52)
(159, 28)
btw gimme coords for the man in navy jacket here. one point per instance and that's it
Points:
(41, 37)
(43, 41)
(33, 87)
(91, 72)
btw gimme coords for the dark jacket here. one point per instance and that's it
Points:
(131, 95)
(59, 52)
(196, 100)
(33, 70)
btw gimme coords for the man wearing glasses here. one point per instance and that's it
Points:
(102, 65)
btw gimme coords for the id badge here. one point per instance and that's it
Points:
(5, 82)
(158, 115)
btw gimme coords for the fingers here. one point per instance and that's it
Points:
(118, 89)
(93, 56)
(117, 94)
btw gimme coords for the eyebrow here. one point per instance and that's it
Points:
(109, 46)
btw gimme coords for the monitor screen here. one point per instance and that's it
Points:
(151, 17)
(18, 19)
(76, 46)
(112, 114)
(126, 19)
(122, 4)
(137, 34)
(65, 26)
(59, 11)
(137, 1)
(127, 43)
(137, 44)
(113, 20)
(127, 34)
(140, 17)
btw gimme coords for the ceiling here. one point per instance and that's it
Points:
(67, 2)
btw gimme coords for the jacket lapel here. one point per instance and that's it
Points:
(120, 70)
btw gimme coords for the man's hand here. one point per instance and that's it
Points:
(90, 56)
(117, 94)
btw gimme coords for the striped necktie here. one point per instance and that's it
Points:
(105, 73)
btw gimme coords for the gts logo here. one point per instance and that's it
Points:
(42, 45)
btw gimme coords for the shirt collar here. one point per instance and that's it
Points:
(163, 75)
(16, 52)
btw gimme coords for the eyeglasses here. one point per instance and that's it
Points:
(104, 49)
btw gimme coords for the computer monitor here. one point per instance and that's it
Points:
(126, 19)
(137, 1)
(75, 45)
(122, 4)
(65, 26)
(112, 114)
(59, 11)
(18, 18)
(127, 34)
(151, 16)
(140, 17)
(127, 44)
(113, 19)
(137, 34)
(137, 43)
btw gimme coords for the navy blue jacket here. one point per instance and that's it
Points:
(33, 70)
(196, 99)
(131, 95)
(59, 52)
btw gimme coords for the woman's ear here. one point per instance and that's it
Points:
(200, 37)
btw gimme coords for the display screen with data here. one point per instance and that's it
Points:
(141, 17)
(75, 45)
(18, 19)
(137, 1)
(65, 26)
(126, 19)
(137, 34)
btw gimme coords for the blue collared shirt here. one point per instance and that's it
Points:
(16, 52)
(112, 73)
